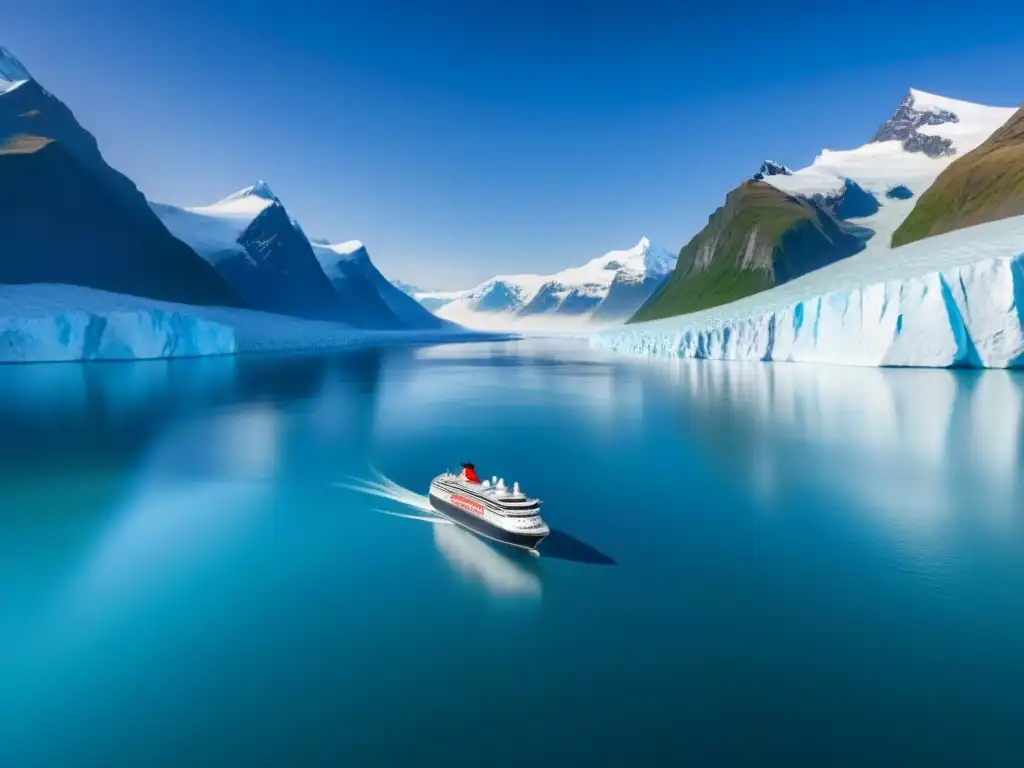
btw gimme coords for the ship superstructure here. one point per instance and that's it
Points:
(489, 507)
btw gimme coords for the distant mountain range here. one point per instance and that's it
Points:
(782, 224)
(605, 290)
(67, 217)
(408, 288)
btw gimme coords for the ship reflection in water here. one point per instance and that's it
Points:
(504, 571)
(477, 560)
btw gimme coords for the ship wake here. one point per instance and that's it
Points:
(383, 487)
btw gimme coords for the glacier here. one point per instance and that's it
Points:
(60, 323)
(955, 300)
(64, 323)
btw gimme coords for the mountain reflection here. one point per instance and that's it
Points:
(197, 488)
(927, 437)
(347, 404)
(96, 412)
(419, 387)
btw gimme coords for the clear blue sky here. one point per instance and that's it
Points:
(463, 138)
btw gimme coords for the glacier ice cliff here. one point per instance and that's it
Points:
(61, 323)
(956, 300)
(56, 323)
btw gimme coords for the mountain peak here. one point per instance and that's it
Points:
(919, 109)
(259, 189)
(657, 260)
(915, 94)
(347, 249)
(771, 168)
(12, 72)
(923, 101)
(644, 259)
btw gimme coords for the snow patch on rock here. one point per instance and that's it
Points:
(771, 168)
(12, 72)
(214, 230)
(881, 166)
(347, 248)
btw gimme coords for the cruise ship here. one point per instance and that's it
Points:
(489, 508)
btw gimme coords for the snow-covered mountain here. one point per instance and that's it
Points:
(408, 288)
(986, 184)
(771, 168)
(906, 155)
(355, 278)
(919, 110)
(434, 300)
(952, 300)
(262, 253)
(901, 152)
(265, 255)
(947, 300)
(431, 300)
(12, 72)
(788, 223)
(68, 217)
(605, 290)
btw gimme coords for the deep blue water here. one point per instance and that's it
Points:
(752, 564)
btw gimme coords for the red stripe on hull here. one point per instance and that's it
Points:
(467, 504)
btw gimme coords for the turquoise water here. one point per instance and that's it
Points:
(751, 564)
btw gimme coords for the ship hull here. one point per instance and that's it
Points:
(482, 527)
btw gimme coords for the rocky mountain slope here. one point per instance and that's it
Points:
(253, 242)
(771, 168)
(984, 185)
(844, 203)
(68, 217)
(906, 124)
(264, 254)
(761, 237)
(360, 284)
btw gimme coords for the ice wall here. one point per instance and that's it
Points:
(968, 310)
(57, 323)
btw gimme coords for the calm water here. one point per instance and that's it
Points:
(752, 564)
